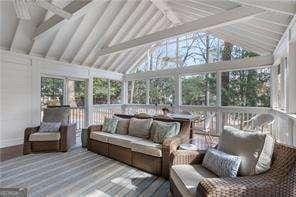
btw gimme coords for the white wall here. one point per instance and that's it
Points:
(20, 91)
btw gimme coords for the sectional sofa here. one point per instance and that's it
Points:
(141, 153)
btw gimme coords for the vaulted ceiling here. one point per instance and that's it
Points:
(100, 24)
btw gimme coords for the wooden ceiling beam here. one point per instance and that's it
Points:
(166, 10)
(222, 19)
(76, 8)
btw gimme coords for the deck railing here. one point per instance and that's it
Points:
(78, 116)
(284, 128)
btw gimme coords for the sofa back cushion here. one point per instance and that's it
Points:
(162, 130)
(49, 126)
(110, 125)
(222, 164)
(254, 149)
(122, 126)
(140, 127)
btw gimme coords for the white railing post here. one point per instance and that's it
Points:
(219, 112)
(89, 105)
(178, 93)
(124, 95)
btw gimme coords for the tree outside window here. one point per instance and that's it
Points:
(199, 89)
(137, 92)
(100, 91)
(115, 92)
(52, 91)
(162, 91)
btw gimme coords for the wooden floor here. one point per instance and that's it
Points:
(78, 173)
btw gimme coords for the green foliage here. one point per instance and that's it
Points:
(100, 91)
(115, 91)
(247, 87)
(199, 89)
(162, 91)
(137, 92)
(51, 89)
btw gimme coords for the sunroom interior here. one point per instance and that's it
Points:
(214, 64)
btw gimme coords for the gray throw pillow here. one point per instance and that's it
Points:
(49, 127)
(222, 164)
(140, 127)
(254, 149)
(110, 125)
(122, 126)
(162, 130)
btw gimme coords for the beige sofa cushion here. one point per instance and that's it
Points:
(147, 147)
(45, 136)
(187, 177)
(254, 149)
(122, 126)
(122, 140)
(100, 136)
(140, 127)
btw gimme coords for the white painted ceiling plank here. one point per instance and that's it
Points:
(284, 7)
(88, 23)
(204, 24)
(269, 27)
(263, 32)
(112, 30)
(136, 63)
(76, 8)
(53, 8)
(22, 9)
(136, 27)
(62, 38)
(132, 22)
(248, 42)
(97, 32)
(152, 25)
(166, 10)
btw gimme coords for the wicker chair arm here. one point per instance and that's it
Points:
(239, 186)
(186, 157)
(29, 131)
(92, 128)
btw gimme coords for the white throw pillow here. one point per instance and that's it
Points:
(254, 149)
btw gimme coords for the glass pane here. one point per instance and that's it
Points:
(162, 91)
(246, 88)
(137, 92)
(77, 92)
(199, 89)
(100, 91)
(115, 92)
(52, 91)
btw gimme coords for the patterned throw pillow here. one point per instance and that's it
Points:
(122, 126)
(222, 164)
(110, 125)
(140, 127)
(49, 127)
(162, 130)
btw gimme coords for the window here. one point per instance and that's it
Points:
(77, 93)
(100, 91)
(115, 92)
(246, 88)
(199, 89)
(52, 91)
(137, 92)
(162, 91)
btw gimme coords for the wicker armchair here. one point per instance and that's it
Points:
(280, 180)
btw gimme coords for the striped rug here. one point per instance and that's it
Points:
(78, 173)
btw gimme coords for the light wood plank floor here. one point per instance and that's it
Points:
(78, 173)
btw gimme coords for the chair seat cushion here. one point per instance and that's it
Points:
(147, 147)
(100, 136)
(122, 140)
(187, 177)
(45, 136)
